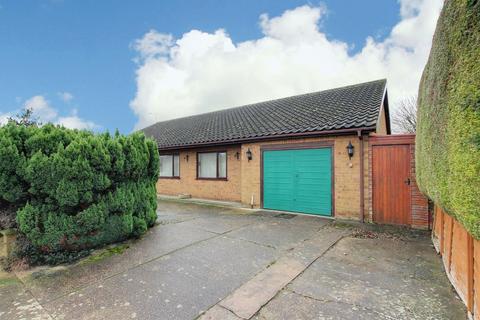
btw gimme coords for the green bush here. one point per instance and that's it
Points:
(448, 132)
(76, 190)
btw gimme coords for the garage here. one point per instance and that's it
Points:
(298, 180)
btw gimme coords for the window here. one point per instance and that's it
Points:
(212, 165)
(169, 166)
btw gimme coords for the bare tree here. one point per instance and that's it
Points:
(25, 118)
(404, 118)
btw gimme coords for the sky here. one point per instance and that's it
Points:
(106, 65)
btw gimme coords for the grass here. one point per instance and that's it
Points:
(105, 253)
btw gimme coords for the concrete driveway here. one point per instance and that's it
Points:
(218, 263)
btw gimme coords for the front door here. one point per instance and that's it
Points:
(391, 184)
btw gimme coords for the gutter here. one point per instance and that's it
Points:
(273, 137)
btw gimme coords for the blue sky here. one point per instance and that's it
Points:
(87, 48)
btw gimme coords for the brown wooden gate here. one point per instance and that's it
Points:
(395, 196)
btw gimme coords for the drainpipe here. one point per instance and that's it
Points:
(362, 183)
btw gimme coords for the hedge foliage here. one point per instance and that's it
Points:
(448, 132)
(76, 190)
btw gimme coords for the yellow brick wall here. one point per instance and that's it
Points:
(382, 123)
(188, 183)
(346, 173)
(244, 176)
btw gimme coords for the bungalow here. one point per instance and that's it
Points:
(307, 153)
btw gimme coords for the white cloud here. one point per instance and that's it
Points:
(153, 44)
(41, 109)
(201, 71)
(75, 122)
(4, 118)
(65, 96)
(45, 113)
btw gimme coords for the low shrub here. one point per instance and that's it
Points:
(76, 190)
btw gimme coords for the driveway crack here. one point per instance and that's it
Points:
(379, 313)
(254, 242)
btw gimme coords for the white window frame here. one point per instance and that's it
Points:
(172, 175)
(218, 175)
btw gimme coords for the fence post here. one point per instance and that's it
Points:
(442, 227)
(470, 273)
(451, 245)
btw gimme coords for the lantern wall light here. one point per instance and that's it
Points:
(350, 150)
(249, 154)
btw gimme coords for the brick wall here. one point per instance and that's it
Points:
(243, 181)
(244, 176)
(346, 173)
(382, 123)
(420, 215)
(188, 183)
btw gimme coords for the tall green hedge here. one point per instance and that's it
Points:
(76, 190)
(448, 133)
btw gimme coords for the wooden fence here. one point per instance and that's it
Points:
(461, 257)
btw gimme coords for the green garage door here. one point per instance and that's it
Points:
(298, 180)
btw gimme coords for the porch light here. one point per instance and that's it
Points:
(237, 155)
(350, 148)
(186, 157)
(249, 155)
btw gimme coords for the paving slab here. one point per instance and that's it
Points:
(189, 209)
(250, 297)
(180, 285)
(277, 233)
(289, 305)
(170, 218)
(164, 292)
(311, 249)
(218, 312)
(226, 263)
(381, 275)
(220, 224)
(18, 303)
(199, 201)
(50, 283)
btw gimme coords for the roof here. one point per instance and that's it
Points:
(340, 109)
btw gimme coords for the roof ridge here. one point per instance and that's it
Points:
(341, 108)
(264, 101)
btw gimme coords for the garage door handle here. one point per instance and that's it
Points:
(407, 182)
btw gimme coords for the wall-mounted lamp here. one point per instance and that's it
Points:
(249, 154)
(350, 149)
(186, 157)
(237, 155)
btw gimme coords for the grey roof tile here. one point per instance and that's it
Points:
(350, 107)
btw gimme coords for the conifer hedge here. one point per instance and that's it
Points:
(448, 131)
(76, 190)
